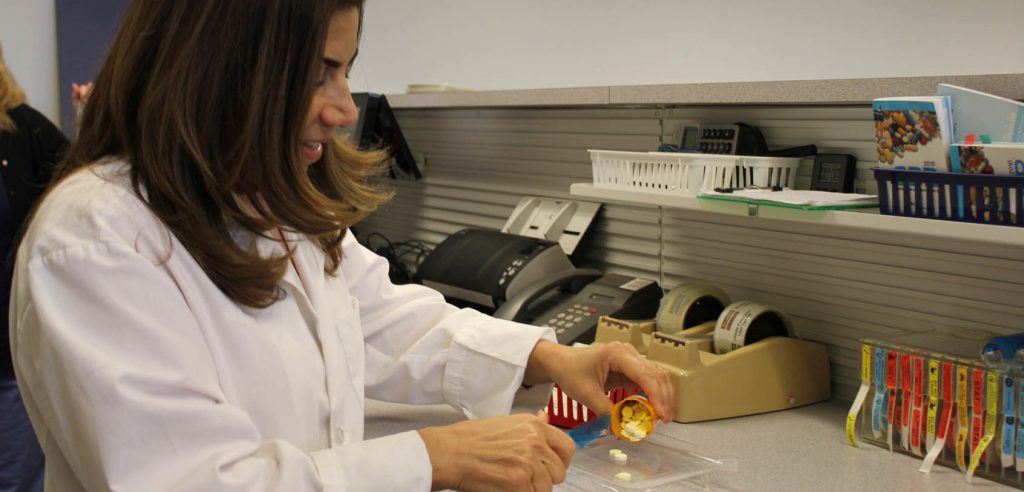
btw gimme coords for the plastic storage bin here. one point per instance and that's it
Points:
(688, 174)
(981, 198)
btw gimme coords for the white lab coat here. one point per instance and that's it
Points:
(139, 374)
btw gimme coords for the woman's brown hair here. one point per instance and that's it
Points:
(205, 100)
(11, 95)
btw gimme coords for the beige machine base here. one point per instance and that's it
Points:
(773, 374)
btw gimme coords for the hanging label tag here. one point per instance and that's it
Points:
(891, 373)
(862, 393)
(963, 419)
(918, 399)
(977, 406)
(991, 411)
(1019, 465)
(879, 383)
(945, 422)
(906, 388)
(1009, 419)
(933, 401)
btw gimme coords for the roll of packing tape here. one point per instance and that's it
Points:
(689, 305)
(743, 323)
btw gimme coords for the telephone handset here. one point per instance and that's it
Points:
(590, 296)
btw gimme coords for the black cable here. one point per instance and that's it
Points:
(394, 252)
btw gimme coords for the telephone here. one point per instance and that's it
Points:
(729, 138)
(572, 301)
(720, 138)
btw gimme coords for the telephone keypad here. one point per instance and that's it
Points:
(569, 318)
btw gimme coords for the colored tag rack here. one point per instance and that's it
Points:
(931, 396)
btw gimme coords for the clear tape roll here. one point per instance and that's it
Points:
(689, 305)
(743, 323)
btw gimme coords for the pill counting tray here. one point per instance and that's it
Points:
(656, 463)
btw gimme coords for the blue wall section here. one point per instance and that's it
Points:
(84, 31)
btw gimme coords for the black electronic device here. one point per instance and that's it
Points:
(720, 138)
(378, 128)
(481, 268)
(730, 139)
(834, 172)
(575, 305)
(735, 138)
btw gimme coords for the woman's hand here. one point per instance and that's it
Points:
(79, 94)
(516, 452)
(588, 373)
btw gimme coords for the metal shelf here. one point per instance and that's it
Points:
(868, 219)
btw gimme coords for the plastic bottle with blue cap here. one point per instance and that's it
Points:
(1004, 352)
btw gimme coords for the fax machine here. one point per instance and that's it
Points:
(483, 268)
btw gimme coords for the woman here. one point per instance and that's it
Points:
(30, 147)
(193, 316)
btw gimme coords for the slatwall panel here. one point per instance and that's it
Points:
(838, 284)
(480, 162)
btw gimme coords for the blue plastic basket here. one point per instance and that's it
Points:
(980, 198)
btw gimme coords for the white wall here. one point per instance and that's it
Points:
(28, 34)
(568, 43)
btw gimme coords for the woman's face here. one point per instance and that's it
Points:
(332, 102)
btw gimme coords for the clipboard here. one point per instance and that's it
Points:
(795, 199)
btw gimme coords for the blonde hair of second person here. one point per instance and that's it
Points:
(193, 316)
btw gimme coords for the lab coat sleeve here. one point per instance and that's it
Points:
(117, 375)
(419, 349)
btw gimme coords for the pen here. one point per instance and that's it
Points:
(730, 190)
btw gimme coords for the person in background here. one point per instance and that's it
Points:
(192, 313)
(30, 147)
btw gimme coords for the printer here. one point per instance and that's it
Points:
(483, 268)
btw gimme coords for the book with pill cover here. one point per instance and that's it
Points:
(913, 133)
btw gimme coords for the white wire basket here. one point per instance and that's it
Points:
(688, 174)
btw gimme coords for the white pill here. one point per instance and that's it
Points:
(621, 458)
(623, 476)
(614, 452)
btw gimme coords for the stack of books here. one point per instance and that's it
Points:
(959, 130)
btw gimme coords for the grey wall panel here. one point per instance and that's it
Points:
(838, 284)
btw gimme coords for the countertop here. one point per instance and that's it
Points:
(793, 450)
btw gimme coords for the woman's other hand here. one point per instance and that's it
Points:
(515, 452)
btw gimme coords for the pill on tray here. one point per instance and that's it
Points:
(623, 476)
(614, 452)
(620, 458)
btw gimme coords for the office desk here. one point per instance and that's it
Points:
(794, 450)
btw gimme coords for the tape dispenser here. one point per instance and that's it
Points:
(725, 359)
